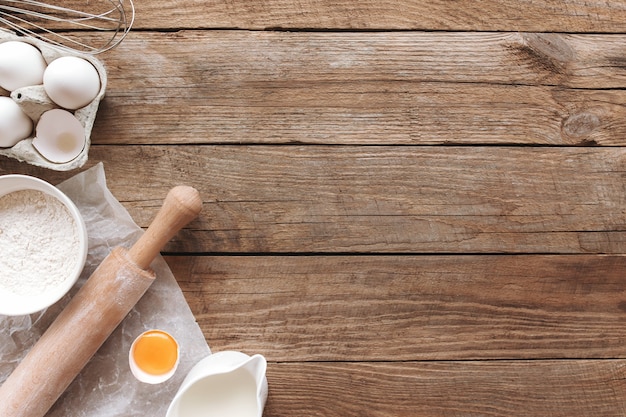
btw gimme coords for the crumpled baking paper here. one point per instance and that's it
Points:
(106, 387)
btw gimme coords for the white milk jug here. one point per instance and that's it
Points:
(223, 384)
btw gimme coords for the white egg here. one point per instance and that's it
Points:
(71, 82)
(15, 125)
(59, 136)
(21, 65)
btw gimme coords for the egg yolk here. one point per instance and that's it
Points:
(155, 352)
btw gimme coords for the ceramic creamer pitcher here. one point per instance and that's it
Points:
(223, 384)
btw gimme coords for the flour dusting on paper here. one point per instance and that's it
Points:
(106, 387)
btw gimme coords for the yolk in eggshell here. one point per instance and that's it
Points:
(155, 352)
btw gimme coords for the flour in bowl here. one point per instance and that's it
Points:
(39, 242)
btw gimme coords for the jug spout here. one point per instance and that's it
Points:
(225, 383)
(257, 366)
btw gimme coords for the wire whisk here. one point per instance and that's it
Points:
(102, 27)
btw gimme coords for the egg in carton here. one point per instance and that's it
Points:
(36, 103)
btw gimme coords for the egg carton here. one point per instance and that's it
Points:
(34, 101)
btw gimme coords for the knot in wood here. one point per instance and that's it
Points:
(579, 126)
(547, 52)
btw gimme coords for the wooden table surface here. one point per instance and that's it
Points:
(411, 208)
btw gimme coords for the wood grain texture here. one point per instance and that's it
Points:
(411, 208)
(465, 15)
(388, 199)
(436, 389)
(381, 199)
(573, 16)
(374, 88)
(407, 308)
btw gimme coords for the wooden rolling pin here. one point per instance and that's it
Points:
(93, 313)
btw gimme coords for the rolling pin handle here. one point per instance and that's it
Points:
(181, 205)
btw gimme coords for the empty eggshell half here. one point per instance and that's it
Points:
(59, 136)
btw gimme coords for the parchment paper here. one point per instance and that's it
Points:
(106, 387)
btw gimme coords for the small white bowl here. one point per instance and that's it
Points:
(13, 304)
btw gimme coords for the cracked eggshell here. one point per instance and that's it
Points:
(59, 136)
(34, 102)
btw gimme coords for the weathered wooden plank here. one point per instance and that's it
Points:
(437, 389)
(388, 308)
(501, 15)
(464, 15)
(379, 199)
(409, 307)
(389, 199)
(400, 113)
(581, 61)
(355, 88)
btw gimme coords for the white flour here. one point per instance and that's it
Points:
(38, 242)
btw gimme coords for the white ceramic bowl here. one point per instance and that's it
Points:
(14, 304)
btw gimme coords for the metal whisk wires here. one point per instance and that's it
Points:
(92, 31)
